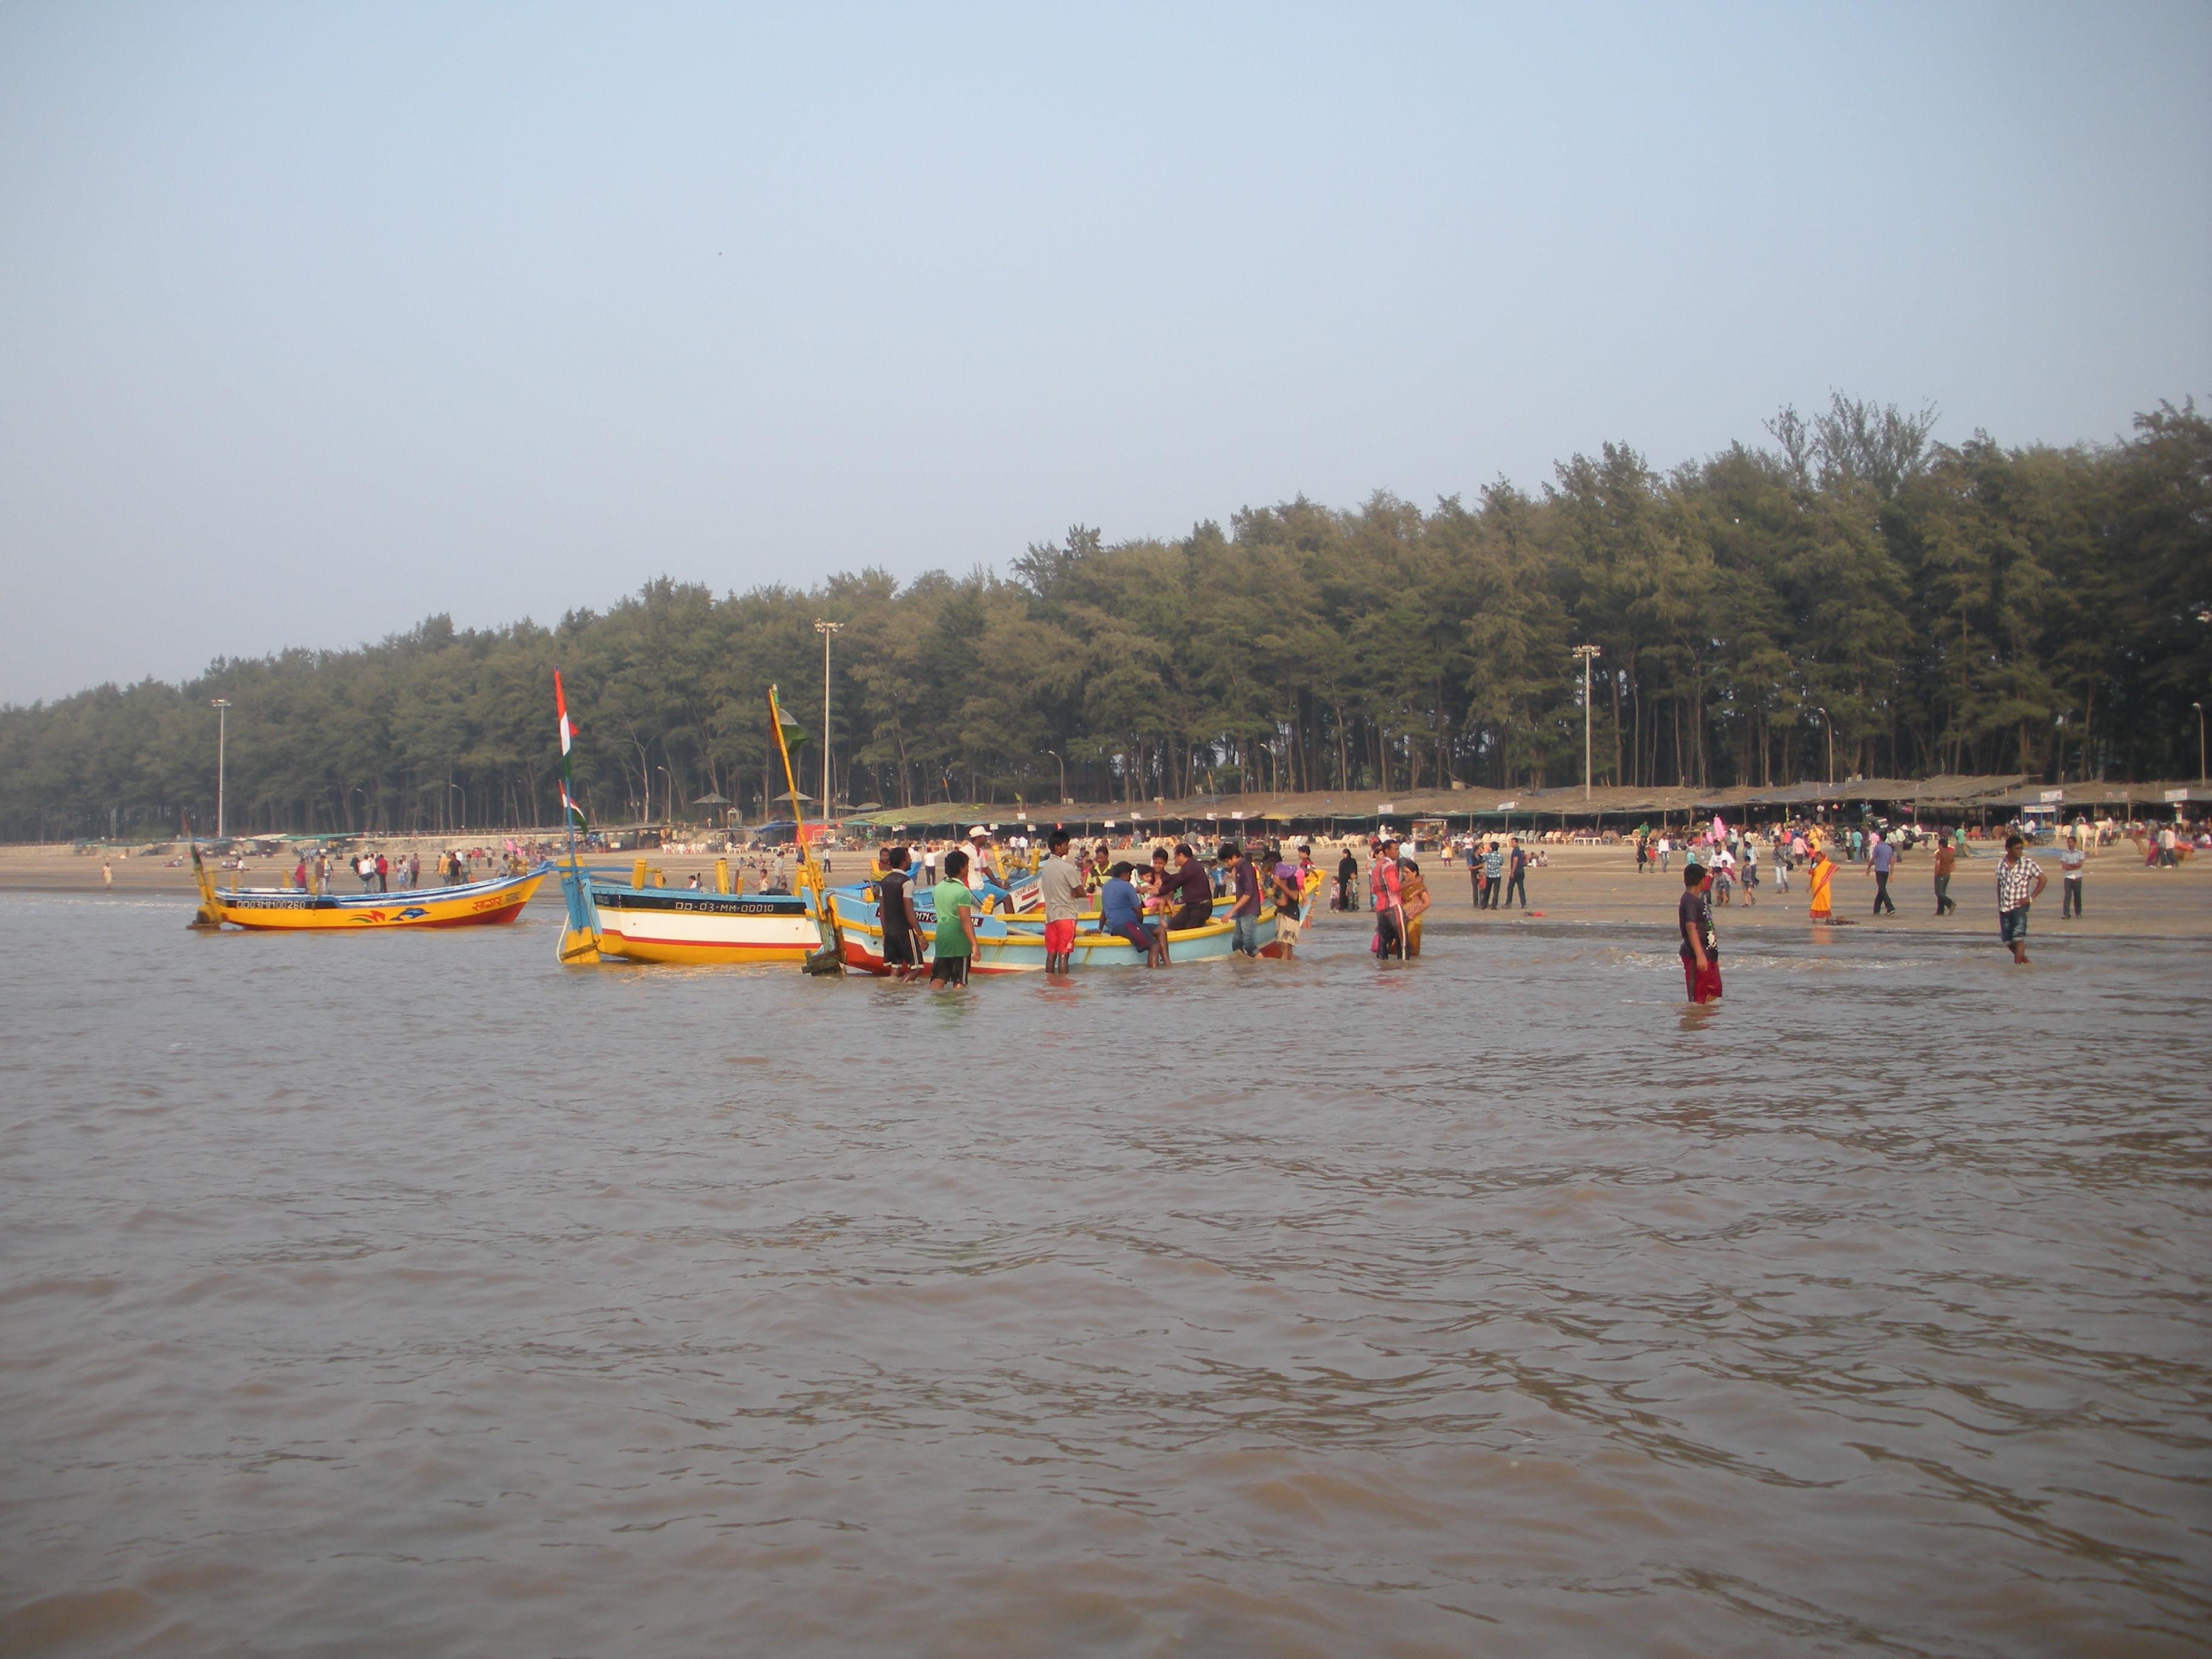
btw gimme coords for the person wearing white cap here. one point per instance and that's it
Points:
(987, 873)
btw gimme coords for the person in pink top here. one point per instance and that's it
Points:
(1383, 884)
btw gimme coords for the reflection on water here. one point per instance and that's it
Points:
(409, 1294)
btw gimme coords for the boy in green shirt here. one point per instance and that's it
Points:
(955, 924)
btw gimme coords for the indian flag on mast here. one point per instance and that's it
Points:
(572, 813)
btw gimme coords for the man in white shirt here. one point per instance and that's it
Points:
(2072, 861)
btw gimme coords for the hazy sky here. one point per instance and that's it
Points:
(315, 319)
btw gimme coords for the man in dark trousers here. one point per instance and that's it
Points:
(1516, 877)
(1244, 915)
(1882, 856)
(1191, 890)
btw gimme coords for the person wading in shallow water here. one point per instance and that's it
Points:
(1701, 954)
(1383, 887)
(955, 905)
(2020, 882)
(1244, 914)
(901, 923)
(1065, 888)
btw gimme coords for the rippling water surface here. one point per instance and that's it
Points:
(408, 1294)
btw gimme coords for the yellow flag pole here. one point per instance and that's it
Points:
(825, 912)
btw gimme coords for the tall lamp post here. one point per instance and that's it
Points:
(1055, 753)
(2199, 708)
(1586, 652)
(826, 630)
(1828, 726)
(221, 707)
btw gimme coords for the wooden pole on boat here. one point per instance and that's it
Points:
(831, 958)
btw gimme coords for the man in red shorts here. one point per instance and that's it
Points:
(1066, 888)
(1701, 953)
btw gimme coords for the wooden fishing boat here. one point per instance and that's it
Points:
(613, 920)
(474, 904)
(1015, 945)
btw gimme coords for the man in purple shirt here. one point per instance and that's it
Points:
(1189, 891)
(1884, 858)
(1244, 881)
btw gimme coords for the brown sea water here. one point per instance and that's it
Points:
(408, 1294)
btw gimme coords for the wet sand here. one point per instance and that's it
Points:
(1592, 885)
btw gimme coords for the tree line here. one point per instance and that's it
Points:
(1921, 607)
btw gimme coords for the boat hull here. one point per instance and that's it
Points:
(478, 904)
(684, 927)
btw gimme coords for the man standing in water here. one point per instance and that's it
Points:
(901, 923)
(1065, 889)
(1385, 888)
(1244, 915)
(1693, 917)
(2020, 882)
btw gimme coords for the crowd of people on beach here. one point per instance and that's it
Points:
(1720, 856)
(1162, 887)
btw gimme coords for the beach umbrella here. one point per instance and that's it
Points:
(710, 800)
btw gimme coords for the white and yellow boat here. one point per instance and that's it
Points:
(475, 904)
(644, 920)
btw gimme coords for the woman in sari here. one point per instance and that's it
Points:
(1413, 893)
(1821, 875)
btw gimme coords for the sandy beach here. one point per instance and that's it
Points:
(1586, 885)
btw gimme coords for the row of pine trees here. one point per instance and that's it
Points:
(1924, 607)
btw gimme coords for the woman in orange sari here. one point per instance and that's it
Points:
(1823, 873)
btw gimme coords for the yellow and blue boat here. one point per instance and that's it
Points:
(474, 904)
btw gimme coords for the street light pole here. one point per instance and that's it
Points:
(2199, 708)
(221, 707)
(1055, 753)
(1828, 726)
(825, 630)
(1586, 652)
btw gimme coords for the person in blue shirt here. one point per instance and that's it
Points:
(1883, 856)
(1121, 913)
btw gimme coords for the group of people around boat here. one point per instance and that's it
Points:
(1174, 893)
